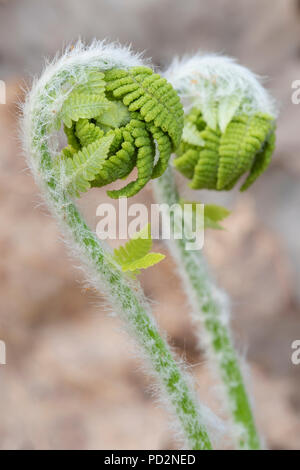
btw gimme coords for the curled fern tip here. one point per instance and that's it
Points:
(117, 120)
(229, 128)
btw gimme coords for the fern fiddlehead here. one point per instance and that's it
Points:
(230, 127)
(216, 160)
(128, 114)
(229, 130)
(91, 146)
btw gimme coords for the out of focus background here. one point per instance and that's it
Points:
(72, 380)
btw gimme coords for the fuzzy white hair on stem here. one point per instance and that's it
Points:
(39, 135)
(210, 312)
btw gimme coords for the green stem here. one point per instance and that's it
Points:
(210, 310)
(125, 296)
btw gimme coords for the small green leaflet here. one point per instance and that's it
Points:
(94, 84)
(77, 172)
(134, 255)
(191, 135)
(213, 214)
(209, 108)
(82, 105)
(228, 106)
(116, 115)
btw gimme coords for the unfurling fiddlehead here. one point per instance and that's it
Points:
(115, 115)
(220, 159)
(116, 120)
(230, 129)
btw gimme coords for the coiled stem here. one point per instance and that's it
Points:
(124, 294)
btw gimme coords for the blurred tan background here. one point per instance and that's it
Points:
(72, 380)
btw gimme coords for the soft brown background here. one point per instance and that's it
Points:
(72, 380)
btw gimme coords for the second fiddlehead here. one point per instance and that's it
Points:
(229, 131)
(229, 126)
(216, 160)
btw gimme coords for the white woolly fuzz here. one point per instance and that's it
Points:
(210, 313)
(210, 79)
(47, 93)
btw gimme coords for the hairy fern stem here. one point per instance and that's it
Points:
(124, 294)
(211, 313)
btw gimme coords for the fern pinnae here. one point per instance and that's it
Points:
(230, 100)
(186, 161)
(192, 135)
(135, 254)
(87, 132)
(243, 139)
(139, 108)
(261, 161)
(82, 105)
(94, 83)
(206, 170)
(72, 137)
(84, 166)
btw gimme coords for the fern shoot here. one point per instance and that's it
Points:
(112, 108)
(216, 160)
(229, 131)
(229, 128)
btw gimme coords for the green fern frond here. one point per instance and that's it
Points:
(242, 140)
(116, 115)
(120, 163)
(261, 162)
(151, 95)
(186, 162)
(206, 169)
(210, 111)
(144, 161)
(134, 255)
(213, 214)
(67, 152)
(191, 135)
(72, 137)
(87, 132)
(139, 110)
(239, 144)
(227, 110)
(76, 173)
(146, 262)
(94, 83)
(82, 105)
